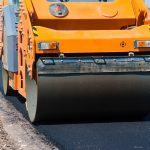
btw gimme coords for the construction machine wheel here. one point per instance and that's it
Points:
(31, 98)
(5, 82)
(5, 75)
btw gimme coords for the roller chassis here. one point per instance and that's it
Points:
(77, 85)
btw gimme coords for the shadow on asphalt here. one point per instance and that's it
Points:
(19, 103)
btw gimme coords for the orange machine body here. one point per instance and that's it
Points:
(89, 28)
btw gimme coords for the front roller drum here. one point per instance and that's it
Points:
(70, 96)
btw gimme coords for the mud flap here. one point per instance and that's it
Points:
(10, 53)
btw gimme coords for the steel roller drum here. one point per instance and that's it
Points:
(68, 96)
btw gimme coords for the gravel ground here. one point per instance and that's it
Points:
(19, 129)
(16, 132)
(5, 142)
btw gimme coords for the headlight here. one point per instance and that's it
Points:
(142, 44)
(47, 45)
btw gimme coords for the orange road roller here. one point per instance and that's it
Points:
(76, 58)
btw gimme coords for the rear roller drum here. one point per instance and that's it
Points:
(5, 81)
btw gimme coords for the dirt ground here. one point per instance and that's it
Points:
(5, 142)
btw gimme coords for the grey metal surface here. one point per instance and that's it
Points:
(82, 65)
(147, 3)
(10, 54)
(5, 80)
(11, 2)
